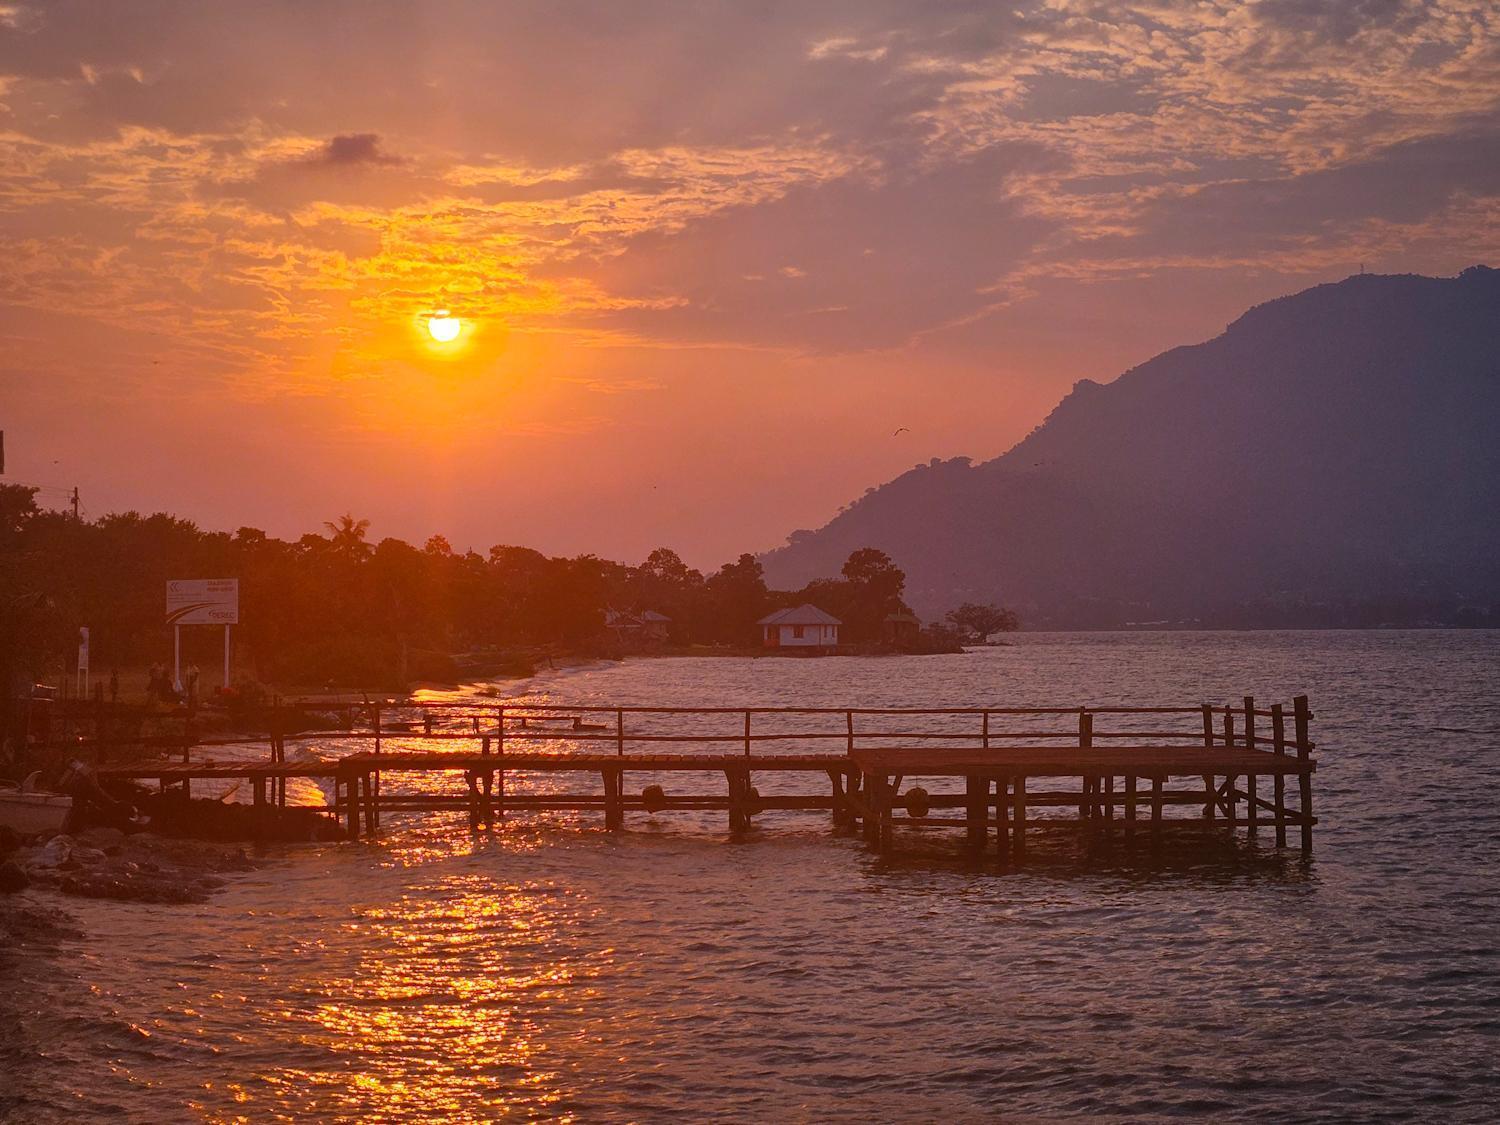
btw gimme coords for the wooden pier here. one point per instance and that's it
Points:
(1001, 774)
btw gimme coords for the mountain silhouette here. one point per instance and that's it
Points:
(1332, 458)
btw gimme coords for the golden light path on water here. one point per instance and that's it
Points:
(553, 969)
(438, 984)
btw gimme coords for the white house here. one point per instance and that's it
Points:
(807, 626)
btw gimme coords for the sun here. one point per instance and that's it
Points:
(444, 328)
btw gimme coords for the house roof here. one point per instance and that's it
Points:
(801, 615)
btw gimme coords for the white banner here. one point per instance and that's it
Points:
(83, 648)
(203, 601)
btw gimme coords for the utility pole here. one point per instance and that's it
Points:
(75, 502)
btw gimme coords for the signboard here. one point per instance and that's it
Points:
(203, 601)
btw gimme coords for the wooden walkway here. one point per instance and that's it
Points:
(1200, 766)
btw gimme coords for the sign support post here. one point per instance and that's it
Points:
(177, 658)
(226, 658)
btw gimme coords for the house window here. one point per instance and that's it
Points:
(797, 632)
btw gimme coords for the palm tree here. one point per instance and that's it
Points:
(348, 536)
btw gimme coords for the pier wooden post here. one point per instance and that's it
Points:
(367, 784)
(351, 807)
(1156, 811)
(614, 806)
(1252, 814)
(487, 786)
(1089, 786)
(620, 731)
(739, 800)
(840, 808)
(885, 815)
(471, 786)
(1018, 820)
(500, 753)
(977, 790)
(1130, 808)
(872, 811)
(1278, 783)
(1002, 819)
(1231, 800)
(1210, 788)
(852, 792)
(1300, 718)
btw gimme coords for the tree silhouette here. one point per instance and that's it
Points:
(347, 535)
(976, 622)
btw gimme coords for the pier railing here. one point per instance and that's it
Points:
(630, 729)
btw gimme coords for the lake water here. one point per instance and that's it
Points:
(667, 972)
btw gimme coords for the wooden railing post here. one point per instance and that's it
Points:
(620, 731)
(1209, 797)
(1251, 796)
(985, 730)
(1301, 718)
(849, 719)
(1088, 806)
(1229, 794)
(1278, 747)
(747, 732)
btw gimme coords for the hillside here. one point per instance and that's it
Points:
(1331, 458)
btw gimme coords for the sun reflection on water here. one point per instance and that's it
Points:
(431, 1021)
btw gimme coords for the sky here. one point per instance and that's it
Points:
(720, 267)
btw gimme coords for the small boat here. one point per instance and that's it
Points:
(27, 810)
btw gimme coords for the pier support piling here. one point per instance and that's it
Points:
(614, 804)
(977, 792)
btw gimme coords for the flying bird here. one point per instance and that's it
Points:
(902, 430)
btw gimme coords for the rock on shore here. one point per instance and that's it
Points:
(106, 863)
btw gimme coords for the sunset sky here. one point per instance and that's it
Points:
(708, 257)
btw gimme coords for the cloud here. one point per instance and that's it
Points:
(352, 148)
(817, 178)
